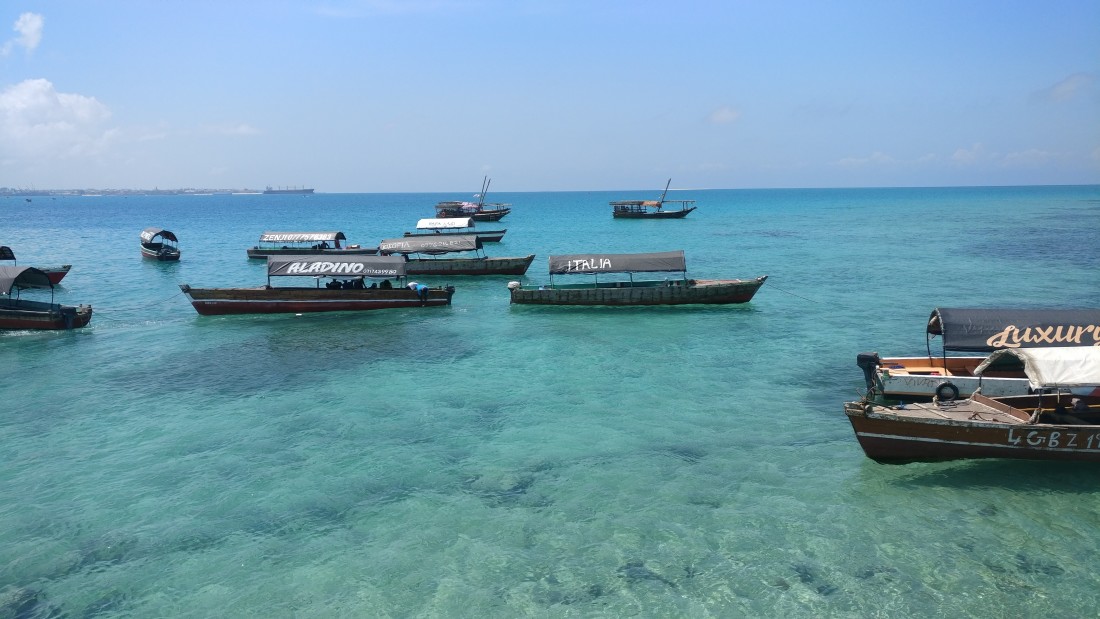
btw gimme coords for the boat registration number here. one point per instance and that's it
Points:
(1054, 439)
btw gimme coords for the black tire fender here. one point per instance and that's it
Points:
(947, 391)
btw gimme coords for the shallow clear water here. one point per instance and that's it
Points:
(490, 460)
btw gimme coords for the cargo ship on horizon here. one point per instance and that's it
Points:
(302, 190)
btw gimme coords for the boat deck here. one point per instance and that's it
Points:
(980, 409)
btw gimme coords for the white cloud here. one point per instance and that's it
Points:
(1069, 87)
(967, 156)
(29, 27)
(37, 122)
(724, 115)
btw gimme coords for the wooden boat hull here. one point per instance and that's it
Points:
(263, 300)
(19, 314)
(56, 274)
(965, 430)
(164, 254)
(489, 236)
(482, 215)
(495, 215)
(469, 266)
(702, 291)
(653, 214)
(261, 253)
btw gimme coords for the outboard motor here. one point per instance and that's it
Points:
(869, 362)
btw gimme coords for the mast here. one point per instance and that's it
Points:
(484, 189)
(662, 200)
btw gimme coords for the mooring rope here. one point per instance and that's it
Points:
(792, 294)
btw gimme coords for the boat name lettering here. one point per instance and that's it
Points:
(589, 264)
(1053, 439)
(305, 268)
(1013, 337)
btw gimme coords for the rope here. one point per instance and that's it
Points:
(792, 294)
(101, 315)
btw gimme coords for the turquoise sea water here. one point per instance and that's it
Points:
(485, 460)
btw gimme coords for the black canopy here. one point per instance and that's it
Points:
(22, 277)
(618, 263)
(986, 330)
(6, 253)
(431, 244)
(148, 234)
(380, 267)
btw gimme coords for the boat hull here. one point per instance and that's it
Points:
(680, 214)
(222, 301)
(56, 274)
(899, 436)
(19, 314)
(704, 292)
(469, 266)
(482, 215)
(489, 236)
(261, 253)
(163, 254)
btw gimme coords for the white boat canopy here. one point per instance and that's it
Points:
(667, 261)
(378, 267)
(301, 237)
(1073, 366)
(432, 244)
(445, 223)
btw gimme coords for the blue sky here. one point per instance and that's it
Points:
(430, 95)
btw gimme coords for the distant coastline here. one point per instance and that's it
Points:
(190, 191)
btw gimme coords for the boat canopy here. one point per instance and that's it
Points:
(986, 330)
(301, 237)
(22, 277)
(441, 244)
(1046, 368)
(148, 234)
(618, 263)
(445, 223)
(355, 265)
(6, 253)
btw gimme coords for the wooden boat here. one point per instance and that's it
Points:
(159, 244)
(17, 313)
(1042, 426)
(345, 288)
(678, 291)
(455, 225)
(976, 331)
(305, 243)
(452, 243)
(54, 273)
(479, 211)
(651, 209)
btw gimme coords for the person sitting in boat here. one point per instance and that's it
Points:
(357, 282)
(385, 285)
